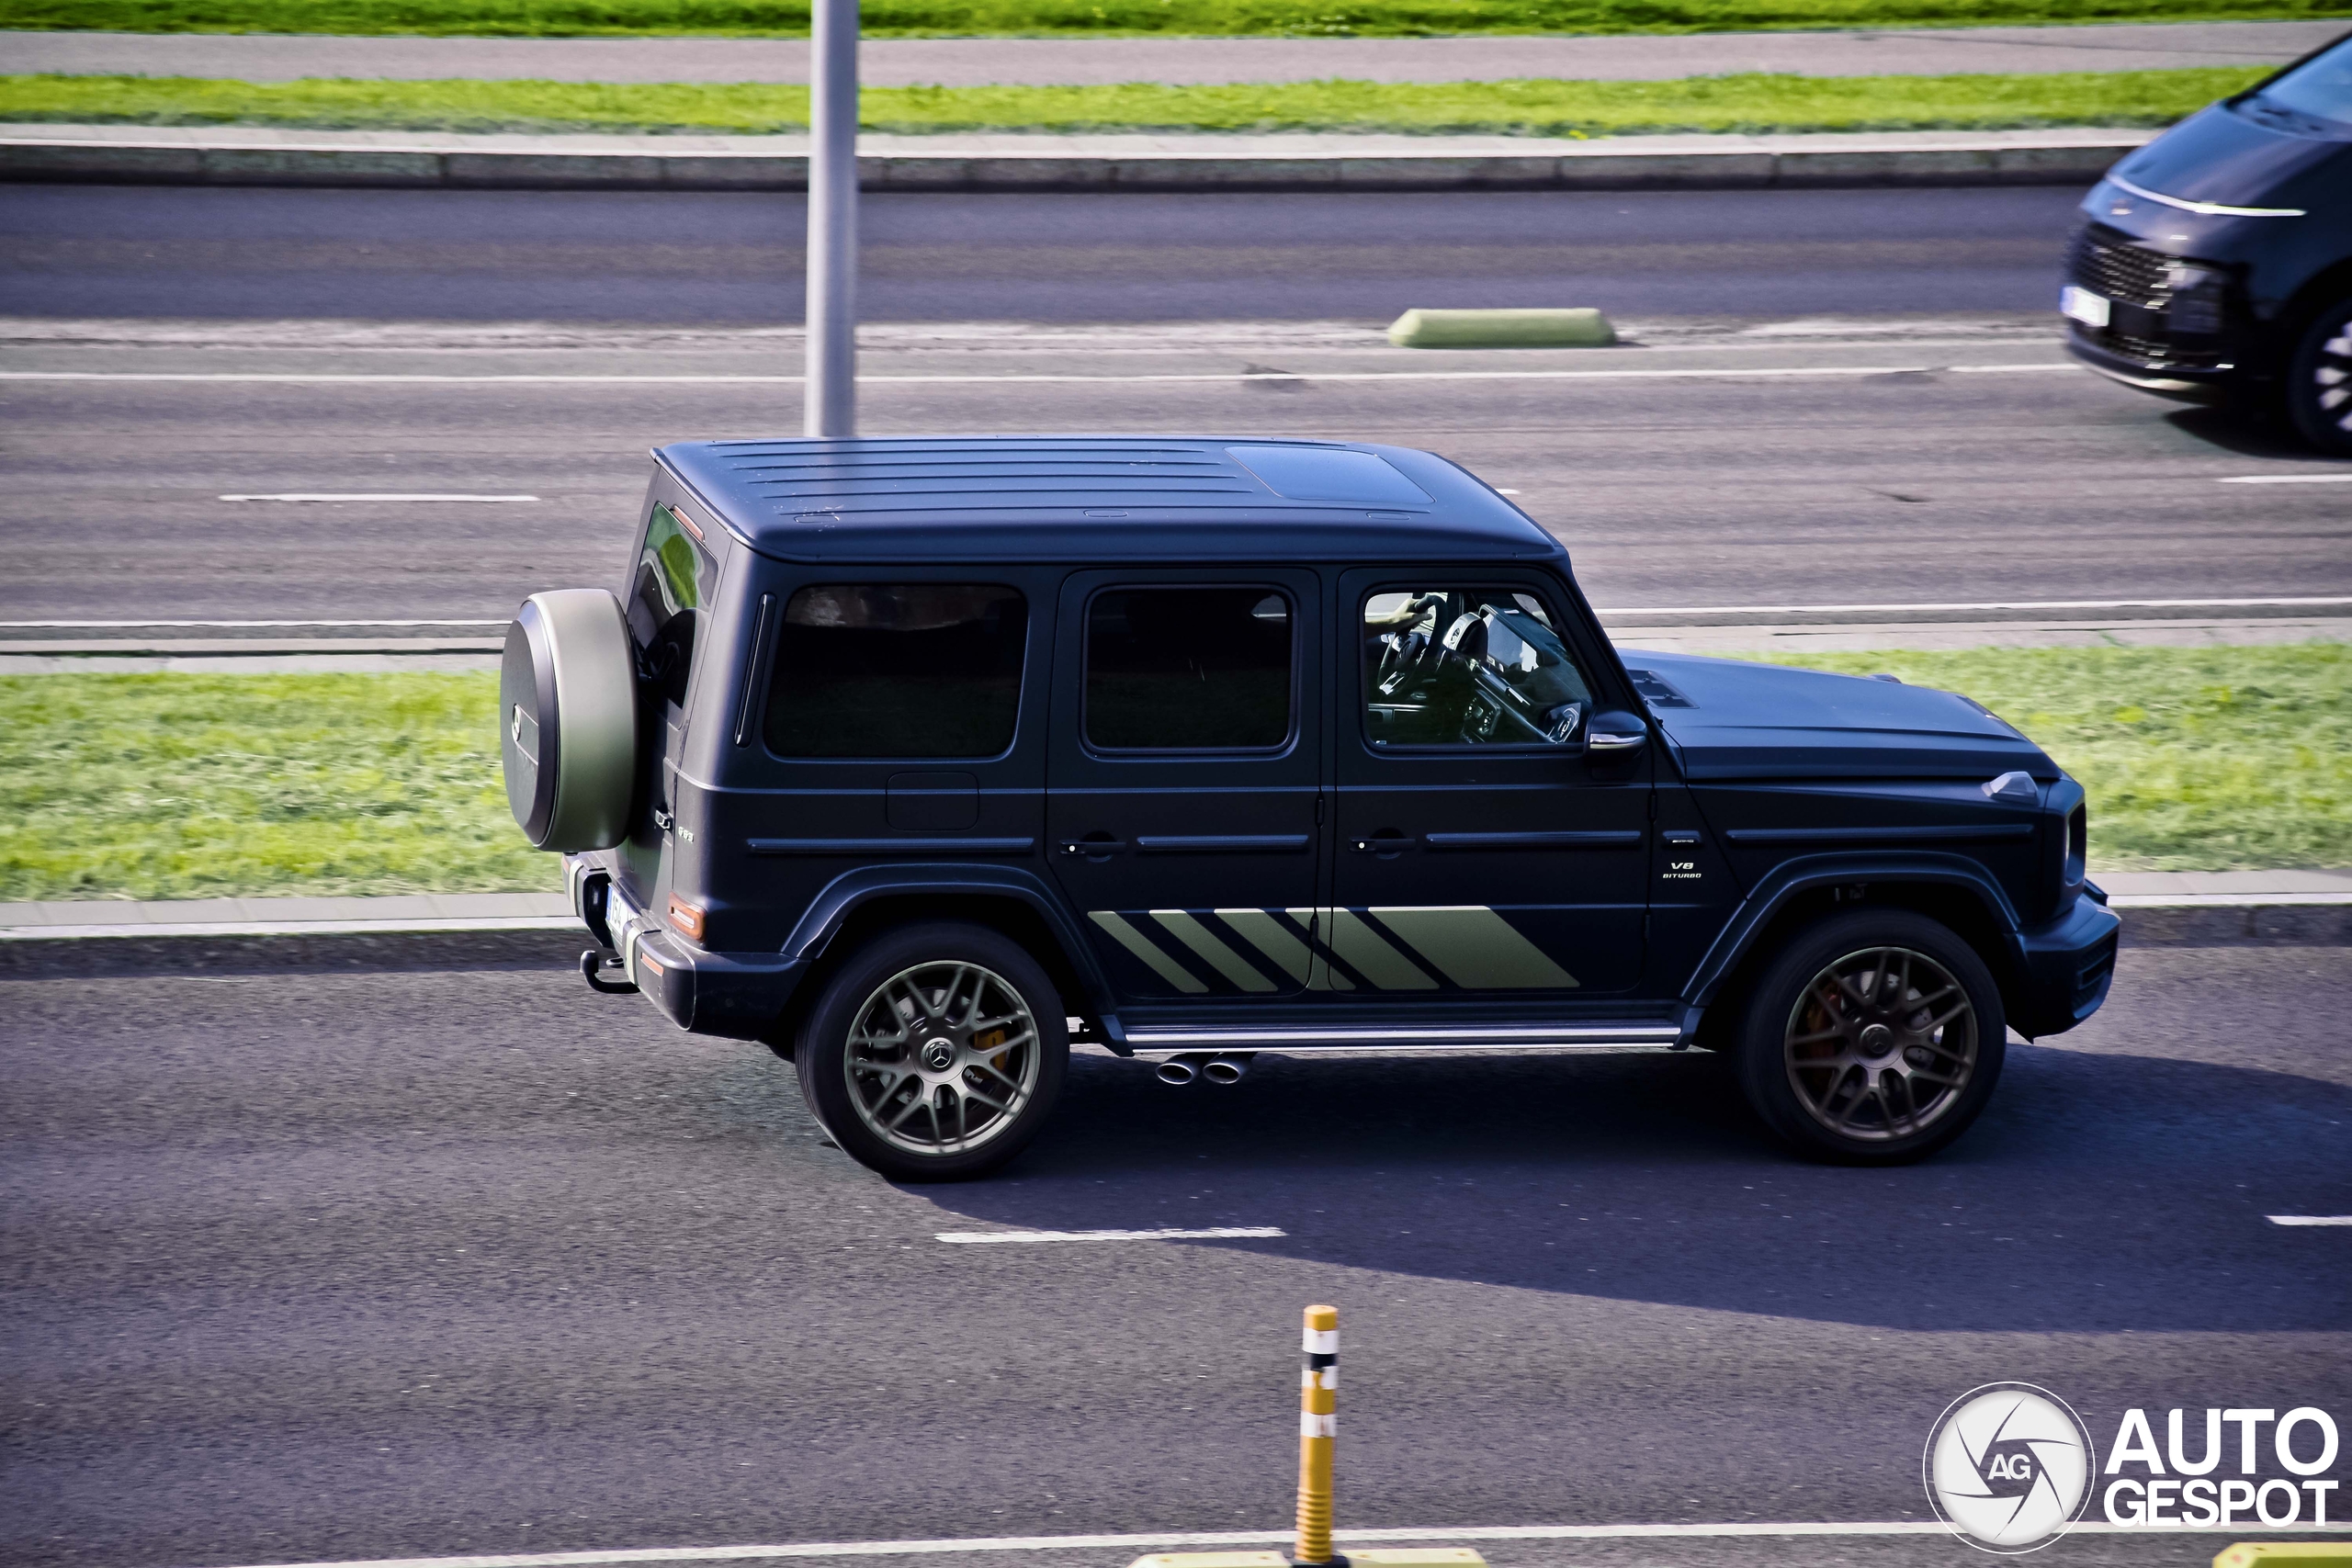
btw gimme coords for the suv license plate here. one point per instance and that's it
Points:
(2082, 305)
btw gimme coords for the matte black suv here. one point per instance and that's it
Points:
(918, 759)
(2215, 264)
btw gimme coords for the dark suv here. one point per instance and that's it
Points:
(2215, 264)
(920, 759)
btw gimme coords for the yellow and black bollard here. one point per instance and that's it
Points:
(1318, 1400)
(1318, 1403)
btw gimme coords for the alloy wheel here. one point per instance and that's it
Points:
(1880, 1044)
(942, 1059)
(2331, 387)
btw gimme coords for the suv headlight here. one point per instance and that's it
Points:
(2195, 297)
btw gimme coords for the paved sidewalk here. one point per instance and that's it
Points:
(552, 911)
(980, 61)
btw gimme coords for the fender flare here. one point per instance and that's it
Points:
(852, 890)
(1793, 877)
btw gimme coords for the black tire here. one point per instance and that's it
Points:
(1831, 1052)
(935, 1053)
(2319, 381)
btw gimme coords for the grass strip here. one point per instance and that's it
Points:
(2195, 759)
(201, 786)
(190, 786)
(1753, 102)
(1319, 18)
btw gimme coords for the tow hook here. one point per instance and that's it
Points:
(593, 965)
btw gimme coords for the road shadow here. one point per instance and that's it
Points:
(2100, 1193)
(2249, 432)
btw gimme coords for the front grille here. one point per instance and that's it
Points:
(2119, 270)
(2139, 283)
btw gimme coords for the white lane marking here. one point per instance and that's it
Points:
(1210, 1232)
(1203, 1538)
(375, 495)
(1219, 378)
(95, 625)
(2309, 1219)
(2287, 479)
(2003, 604)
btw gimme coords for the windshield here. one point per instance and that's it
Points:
(2314, 99)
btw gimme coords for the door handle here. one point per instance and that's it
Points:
(1094, 846)
(1387, 844)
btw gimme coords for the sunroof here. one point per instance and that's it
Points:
(1328, 473)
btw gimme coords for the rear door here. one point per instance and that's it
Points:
(671, 587)
(1477, 852)
(1183, 784)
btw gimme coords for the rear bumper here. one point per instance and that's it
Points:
(2068, 965)
(739, 995)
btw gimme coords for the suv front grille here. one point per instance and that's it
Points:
(2108, 263)
(2120, 271)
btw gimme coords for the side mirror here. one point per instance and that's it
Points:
(1614, 737)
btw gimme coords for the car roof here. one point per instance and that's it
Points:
(1100, 498)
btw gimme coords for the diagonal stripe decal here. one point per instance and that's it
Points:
(1323, 977)
(1364, 950)
(1143, 947)
(1273, 939)
(1475, 948)
(1222, 959)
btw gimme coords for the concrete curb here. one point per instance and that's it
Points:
(1957, 162)
(541, 942)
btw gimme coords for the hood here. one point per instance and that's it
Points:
(1731, 718)
(2231, 154)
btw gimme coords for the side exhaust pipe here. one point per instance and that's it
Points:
(1227, 1069)
(1176, 1070)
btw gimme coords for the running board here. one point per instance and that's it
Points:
(1159, 1045)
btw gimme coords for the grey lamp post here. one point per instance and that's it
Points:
(831, 391)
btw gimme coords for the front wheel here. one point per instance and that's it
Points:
(1873, 1038)
(935, 1053)
(2319, 381)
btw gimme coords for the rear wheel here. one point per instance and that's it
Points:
(1873, 1038)
(2319, 381)
(935, 1053)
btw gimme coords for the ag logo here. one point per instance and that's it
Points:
(2008, 1467)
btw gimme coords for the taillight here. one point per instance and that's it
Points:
(686, 918)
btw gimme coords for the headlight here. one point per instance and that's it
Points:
(2195, 297)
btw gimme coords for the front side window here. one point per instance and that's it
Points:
(1446, 665)
(897, 670)
(673, 581)
(1189, 670)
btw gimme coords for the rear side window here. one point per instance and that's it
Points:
(897, 670)
(673, 581)
(1189, 670)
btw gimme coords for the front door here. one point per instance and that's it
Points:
(1477, 851)
(1184, 790)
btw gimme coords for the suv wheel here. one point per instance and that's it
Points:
(1872, 1038)
(935, 1053)
(2319, 381)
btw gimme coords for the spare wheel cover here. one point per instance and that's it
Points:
(568, 719)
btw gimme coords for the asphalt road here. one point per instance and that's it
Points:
(713, 258)
(975, 61)
(1794, 429)
(362, 1265)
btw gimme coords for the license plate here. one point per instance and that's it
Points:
(2082, 305)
